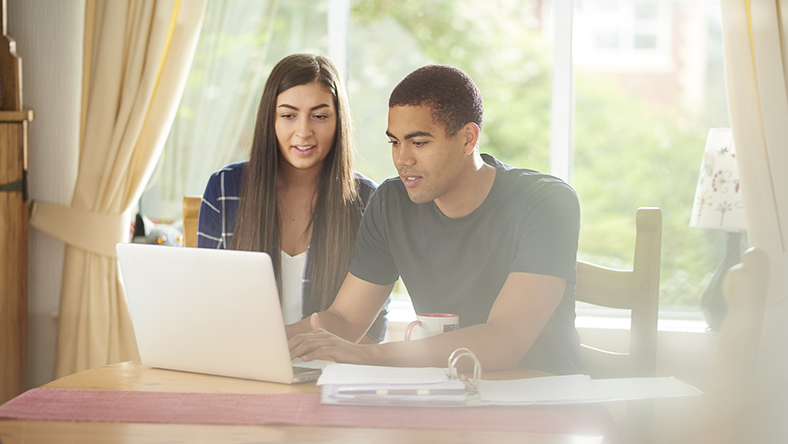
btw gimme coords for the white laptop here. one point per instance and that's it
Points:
(208, 311)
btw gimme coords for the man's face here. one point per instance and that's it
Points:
(429, 163)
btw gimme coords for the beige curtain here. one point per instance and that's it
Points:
(756, 58)
(136, 60)
(212, 127)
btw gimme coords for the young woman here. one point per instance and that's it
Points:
(297, 197)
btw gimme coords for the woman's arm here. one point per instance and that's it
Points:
(209, 221)
(219, 208)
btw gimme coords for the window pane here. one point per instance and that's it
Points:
(645, 10)
(498, 43)
(636, 36)
(608, 5)
(607, 40)
(645, 41)
(640, 131)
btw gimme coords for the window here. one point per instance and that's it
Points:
(625, 34)
(607, 40)
(647, 86)
(645, 10)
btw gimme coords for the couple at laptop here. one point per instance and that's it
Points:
(466, 233)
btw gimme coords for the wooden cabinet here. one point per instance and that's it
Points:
(13, 219)
(13, 252)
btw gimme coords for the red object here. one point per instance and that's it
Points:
(294, 409)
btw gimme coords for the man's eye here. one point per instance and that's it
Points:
(419, 144)
(394, 142)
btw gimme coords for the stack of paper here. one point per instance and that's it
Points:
(373, 385)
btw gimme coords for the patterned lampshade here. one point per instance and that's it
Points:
(718, 198)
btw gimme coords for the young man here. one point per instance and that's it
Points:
(468, 235)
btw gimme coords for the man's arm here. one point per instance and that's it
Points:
(355, 308)
(524, 305)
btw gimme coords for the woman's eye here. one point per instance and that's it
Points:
(286, 116)
(321, 116)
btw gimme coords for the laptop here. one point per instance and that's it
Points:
(208, 311)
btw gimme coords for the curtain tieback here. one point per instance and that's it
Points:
(94, 232)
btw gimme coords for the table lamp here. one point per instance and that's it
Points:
(718, 204)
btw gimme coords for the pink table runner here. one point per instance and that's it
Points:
(296, 409)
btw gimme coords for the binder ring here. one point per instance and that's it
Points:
(455, 356)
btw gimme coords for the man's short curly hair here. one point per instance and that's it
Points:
(452, 95)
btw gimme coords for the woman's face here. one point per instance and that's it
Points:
(305, 124)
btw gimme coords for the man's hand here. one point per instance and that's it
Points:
(319, 343)
(314, 322)
(351, 314)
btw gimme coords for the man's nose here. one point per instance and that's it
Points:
(403, 156)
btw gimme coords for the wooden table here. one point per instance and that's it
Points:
(133, 376)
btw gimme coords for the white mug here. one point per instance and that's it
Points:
(431, 324)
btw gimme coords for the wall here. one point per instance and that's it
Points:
(48, 34)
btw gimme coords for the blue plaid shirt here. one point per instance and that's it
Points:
(219, 210)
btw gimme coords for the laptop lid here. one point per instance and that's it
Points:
(206, 311)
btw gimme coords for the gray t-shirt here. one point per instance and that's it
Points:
(529, 222)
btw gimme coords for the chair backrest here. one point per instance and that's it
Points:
(636, 290)
(191, 211)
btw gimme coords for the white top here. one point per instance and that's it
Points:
(292, 286)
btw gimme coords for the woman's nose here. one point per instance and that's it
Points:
(303, 128)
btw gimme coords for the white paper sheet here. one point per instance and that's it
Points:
(626, 389)
(578, 389)
(545, 390)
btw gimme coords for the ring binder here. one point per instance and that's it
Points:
(451, 368)
(403, 386)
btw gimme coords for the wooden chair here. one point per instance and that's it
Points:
(191, 211)
(735, 398)
(636, 290)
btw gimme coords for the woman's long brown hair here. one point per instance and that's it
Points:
(337, 211)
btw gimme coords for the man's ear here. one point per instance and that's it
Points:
(471, 133)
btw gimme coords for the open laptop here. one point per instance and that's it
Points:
(208, 311)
